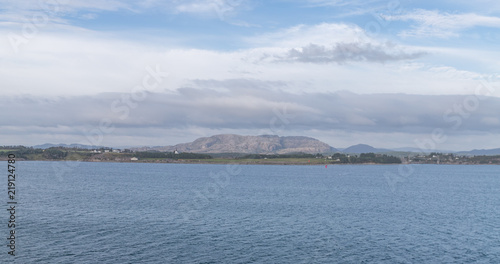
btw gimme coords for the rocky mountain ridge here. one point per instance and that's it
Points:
(264, 144)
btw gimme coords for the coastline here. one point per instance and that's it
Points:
(236, 162)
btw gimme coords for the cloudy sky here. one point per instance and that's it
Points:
(421, 74)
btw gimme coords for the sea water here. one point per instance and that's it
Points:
(79, 212)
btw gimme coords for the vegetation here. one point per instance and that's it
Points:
(335, 158)
(19, 151)
(55, 153)
(170, 155)
(109, 154)
(102, 154)
(448, 158)
(281, 156)
(374, 158)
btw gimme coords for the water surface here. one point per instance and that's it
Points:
(179, 213)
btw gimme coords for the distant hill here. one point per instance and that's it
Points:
(265, 144)
(413, 149)
(409, 149)
(48, 145)
(363, 148)
(480, 152)
(271, 144)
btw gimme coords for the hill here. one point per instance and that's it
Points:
(264, 144)
(480, 152)
(363, 148)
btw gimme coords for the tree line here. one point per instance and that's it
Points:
(335, 158)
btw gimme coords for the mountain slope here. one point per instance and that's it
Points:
(228, 143)
(480, 152)
(363, 148)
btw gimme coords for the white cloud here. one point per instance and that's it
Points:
(346, 52)
(302, 35)
(341, 3)
(78, 62)
(210, 92)
(488, 6)
(491, 121)
(221, 8)
(59, 8)
(350, 8)
(432, 23)
(247, 110)
(89, 16)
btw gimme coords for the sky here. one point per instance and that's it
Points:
(391, 74)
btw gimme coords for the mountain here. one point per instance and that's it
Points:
(413, 149)
(265, 144)
(480, 152)
(363, 148)
(48, 145)
(409, 149)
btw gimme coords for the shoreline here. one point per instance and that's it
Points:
(245, 163)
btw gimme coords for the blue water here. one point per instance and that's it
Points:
(175, 213)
